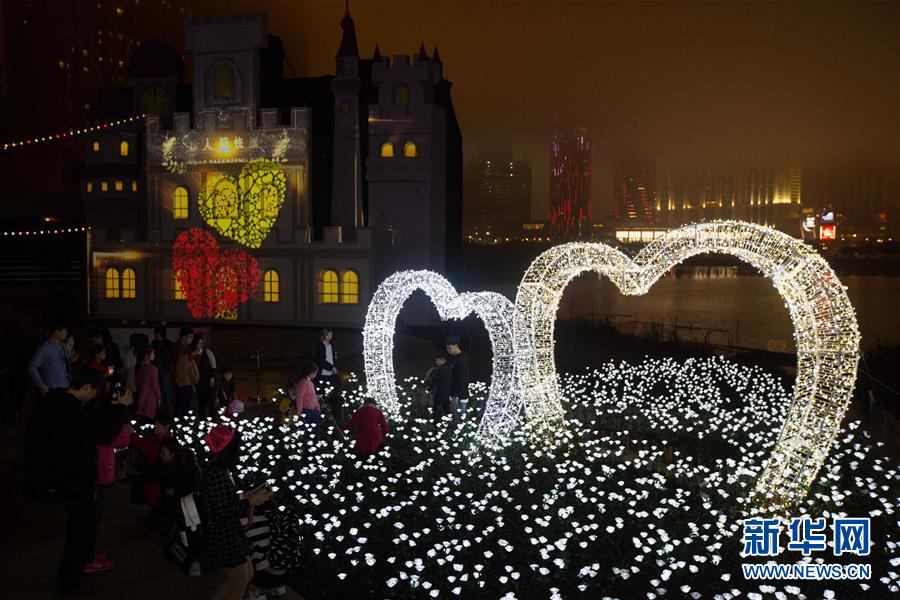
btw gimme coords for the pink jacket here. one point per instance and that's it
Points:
(106, 458)
(149, 395)
(306, 396)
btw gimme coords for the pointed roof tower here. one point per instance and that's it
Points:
(376, 56)
(423, 56)
(436, 57)
(348, 47)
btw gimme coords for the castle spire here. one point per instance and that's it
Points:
(348, 48)
(376, 56)
(423, 56)
(436, 57)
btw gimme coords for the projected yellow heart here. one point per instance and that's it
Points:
(244, 210)
(825, 332)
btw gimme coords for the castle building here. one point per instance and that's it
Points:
(253, 198)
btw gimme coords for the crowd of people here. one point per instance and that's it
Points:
(96, 409)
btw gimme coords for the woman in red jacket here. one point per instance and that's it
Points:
(369, 427)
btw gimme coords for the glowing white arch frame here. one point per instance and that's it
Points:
(504, 404)
(825, 330)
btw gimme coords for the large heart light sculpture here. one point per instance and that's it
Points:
(245, 209)
(213, 281)
(504, 401)
(825, 331)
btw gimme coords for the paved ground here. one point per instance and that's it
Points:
(31, 543)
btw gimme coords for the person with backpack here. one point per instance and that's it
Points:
(221, 509)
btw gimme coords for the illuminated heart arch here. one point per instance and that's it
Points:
(825, 330)
(504, 404)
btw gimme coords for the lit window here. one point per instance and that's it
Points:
(180, 203)
(134, 186)
(179, 290)
(349, 287)
(345, 106)
(129, 287)
(123, 148)
(271, 287)
(387, 150)
(119, 186)
(401, 94)
(112, 283)
(223, 82)
(225, 199)
(95, 146)
(328, 287)
(89, 187)
(410, 150)
(104, 186)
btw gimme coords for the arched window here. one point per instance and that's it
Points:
(89, 187)
(387, 150)
(95, 146)
(104, 186)
(225, 199)
(401, 94)
(328, 287)
(129, 283)
(111, 283)
(349, 287)
(410, 150)
(179, 289)
(223, 82)
(118, 185)
(134, 186)
(123, 148)
(271, 286)
(180, 202)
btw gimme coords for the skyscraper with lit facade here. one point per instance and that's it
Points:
(635, 196)
(570, 183)
(502, 202)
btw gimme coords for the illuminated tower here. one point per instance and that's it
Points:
(570, 183)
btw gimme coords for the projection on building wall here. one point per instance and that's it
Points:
(213, 281)
(244, 209)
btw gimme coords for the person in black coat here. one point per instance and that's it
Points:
(437, 382)
(221, 509)
(73, 428)
(459, 378)
(326, 357)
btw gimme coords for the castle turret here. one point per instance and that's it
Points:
(347, 197)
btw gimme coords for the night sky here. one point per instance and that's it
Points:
(688, 82)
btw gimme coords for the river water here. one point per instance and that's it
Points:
(718, 306)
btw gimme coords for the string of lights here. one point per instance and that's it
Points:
(36, 232)
(825, 332)
(71, 133)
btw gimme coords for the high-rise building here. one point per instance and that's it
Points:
(767, 193)
(60, 54)
(570, 183)
(502, 202)
(635, 198)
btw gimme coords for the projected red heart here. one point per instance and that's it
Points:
(212, 280)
